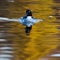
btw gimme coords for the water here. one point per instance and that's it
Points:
(43, 41)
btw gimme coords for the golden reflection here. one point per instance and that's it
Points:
(43, 36)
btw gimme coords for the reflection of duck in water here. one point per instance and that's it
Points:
(27, 20)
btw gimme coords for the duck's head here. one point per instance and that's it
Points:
(28, 12)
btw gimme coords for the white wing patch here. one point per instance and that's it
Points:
(29, 21)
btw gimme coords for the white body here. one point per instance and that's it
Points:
(25, 21)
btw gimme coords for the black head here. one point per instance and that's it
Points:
(28, 12)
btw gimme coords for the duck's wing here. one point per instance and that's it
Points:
(34, 20)
(22, 20)
(7, 19)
